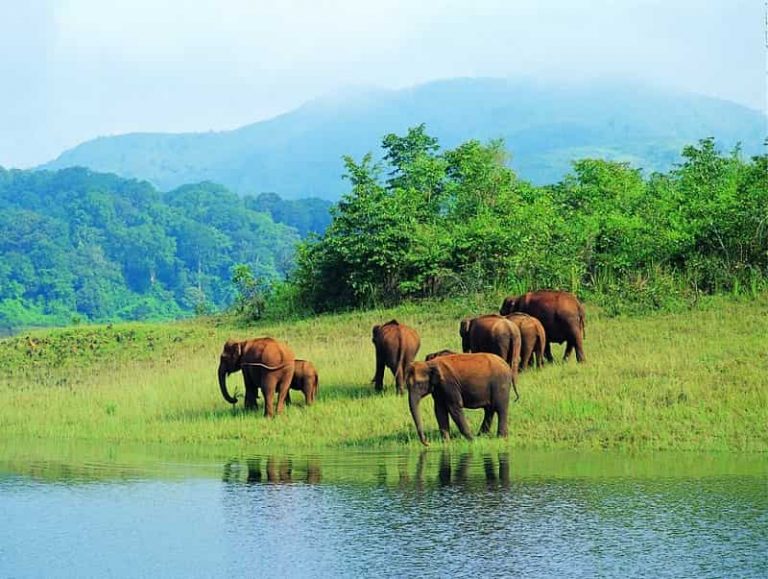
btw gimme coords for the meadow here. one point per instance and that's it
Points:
(693, 381)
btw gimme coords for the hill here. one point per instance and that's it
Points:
(79, 245)
(545, 126)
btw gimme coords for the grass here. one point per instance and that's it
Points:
(694, 381)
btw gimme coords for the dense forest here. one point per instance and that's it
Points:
(78, 245)
(432, 222)
(422, 222)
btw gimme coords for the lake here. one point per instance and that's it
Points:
(138, 512)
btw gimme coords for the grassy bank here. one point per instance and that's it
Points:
(690, 381)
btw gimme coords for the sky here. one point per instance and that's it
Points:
(73, 70)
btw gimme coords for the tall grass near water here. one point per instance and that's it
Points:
(689, 381)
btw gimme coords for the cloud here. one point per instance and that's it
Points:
(82, 68)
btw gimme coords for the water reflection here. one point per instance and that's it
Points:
(272, 469)
(437, 512)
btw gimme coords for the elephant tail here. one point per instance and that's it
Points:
(582, 320)
(400, 360)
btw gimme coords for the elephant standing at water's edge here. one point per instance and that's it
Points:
(461, 381)
(266, 364)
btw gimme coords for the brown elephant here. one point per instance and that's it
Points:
(461, 381)
(437, 354)
(494, 334)
(561, 314)
(396, 347)
(304, 379)
(266, 364)
(533, 337)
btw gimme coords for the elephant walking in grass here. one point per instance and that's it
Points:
(266, 364)
(561, 314)
(461, 381)
(533, 339)
(396, 347)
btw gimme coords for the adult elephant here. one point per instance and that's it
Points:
(396, 347)
(533, 339)
(493, 334)
(561, 314)
(461, 381)
(266, 363)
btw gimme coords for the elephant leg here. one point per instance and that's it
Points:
(251, 388)
(400, 380)
(548, 352)
(284, 386)
(579, 344)
(378, 379)
(457, 413)
(568, 350)
(525, 357)
(502, 410)
(288, 398)
(540, 354)
(268, 387)
(485, 427)
(441, 414)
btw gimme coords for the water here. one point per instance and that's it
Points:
(430, 514)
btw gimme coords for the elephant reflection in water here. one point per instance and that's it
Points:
(495, 468)
(275, 470)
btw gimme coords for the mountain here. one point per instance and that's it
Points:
(545, 127)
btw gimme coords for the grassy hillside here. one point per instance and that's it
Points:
(690, 381)
(545, 126)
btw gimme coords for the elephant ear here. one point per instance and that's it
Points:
(442, 374)
(375, 333)
(464, 326)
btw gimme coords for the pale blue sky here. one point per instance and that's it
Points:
(73, 70)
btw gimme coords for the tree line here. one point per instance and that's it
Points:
(419, 221)
(78, 245)
(428, 222)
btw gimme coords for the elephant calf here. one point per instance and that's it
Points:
(305, 379)
(461, 381)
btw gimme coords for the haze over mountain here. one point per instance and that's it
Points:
(544, 126)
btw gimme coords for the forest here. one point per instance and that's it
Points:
(426, 222)
(80, 246)
(417, 222)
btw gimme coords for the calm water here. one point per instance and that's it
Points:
(435, 514)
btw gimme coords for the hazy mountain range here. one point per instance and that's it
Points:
(545, 127)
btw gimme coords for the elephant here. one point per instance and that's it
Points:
(266, 363)
(461, 381)
(304, 379)
(533, 336)
(562, 315)
(437, 354)
(396, 347)
(494, 334)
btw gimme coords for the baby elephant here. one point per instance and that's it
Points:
(305, 379)
(458, 381)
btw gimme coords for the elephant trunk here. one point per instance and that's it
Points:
(223, 386)
(414, 398)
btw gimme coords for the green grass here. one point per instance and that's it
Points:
(691, 381)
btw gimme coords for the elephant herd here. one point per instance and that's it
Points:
(495, 348)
